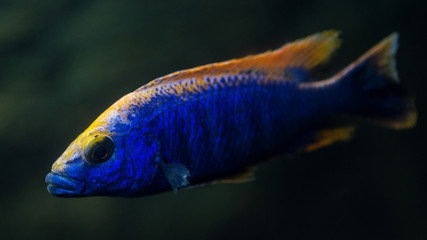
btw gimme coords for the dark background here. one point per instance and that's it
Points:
(63, 62)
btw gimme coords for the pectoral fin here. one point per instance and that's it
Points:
(176, 174)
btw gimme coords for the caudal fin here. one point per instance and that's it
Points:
(374, 84)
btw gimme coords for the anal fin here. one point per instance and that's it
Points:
(247, 175)
(325, 137)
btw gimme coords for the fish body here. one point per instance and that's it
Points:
(212, 123)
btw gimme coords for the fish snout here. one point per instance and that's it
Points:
(56, 166)
(62, 185)
(65, 160)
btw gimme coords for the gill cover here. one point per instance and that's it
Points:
(143, 156)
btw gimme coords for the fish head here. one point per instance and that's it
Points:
(104, 163)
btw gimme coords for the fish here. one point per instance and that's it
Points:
(215, 123)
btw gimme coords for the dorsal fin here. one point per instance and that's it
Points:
(305, 53)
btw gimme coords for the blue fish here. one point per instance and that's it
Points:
(215, 123)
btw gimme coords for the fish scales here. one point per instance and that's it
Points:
(215, 130)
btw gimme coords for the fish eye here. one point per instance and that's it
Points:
(99, 149)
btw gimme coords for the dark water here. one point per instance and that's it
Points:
(63, 62)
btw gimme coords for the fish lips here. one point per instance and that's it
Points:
(63, 186)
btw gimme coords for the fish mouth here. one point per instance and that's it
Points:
(61, 185)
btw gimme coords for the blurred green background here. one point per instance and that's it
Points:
(63, 62)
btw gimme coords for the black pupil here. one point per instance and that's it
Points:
(100, 153)
(99, 149)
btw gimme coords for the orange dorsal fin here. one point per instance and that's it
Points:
(305, 53)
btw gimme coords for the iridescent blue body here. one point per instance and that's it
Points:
(223, 130)
(212, 123)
